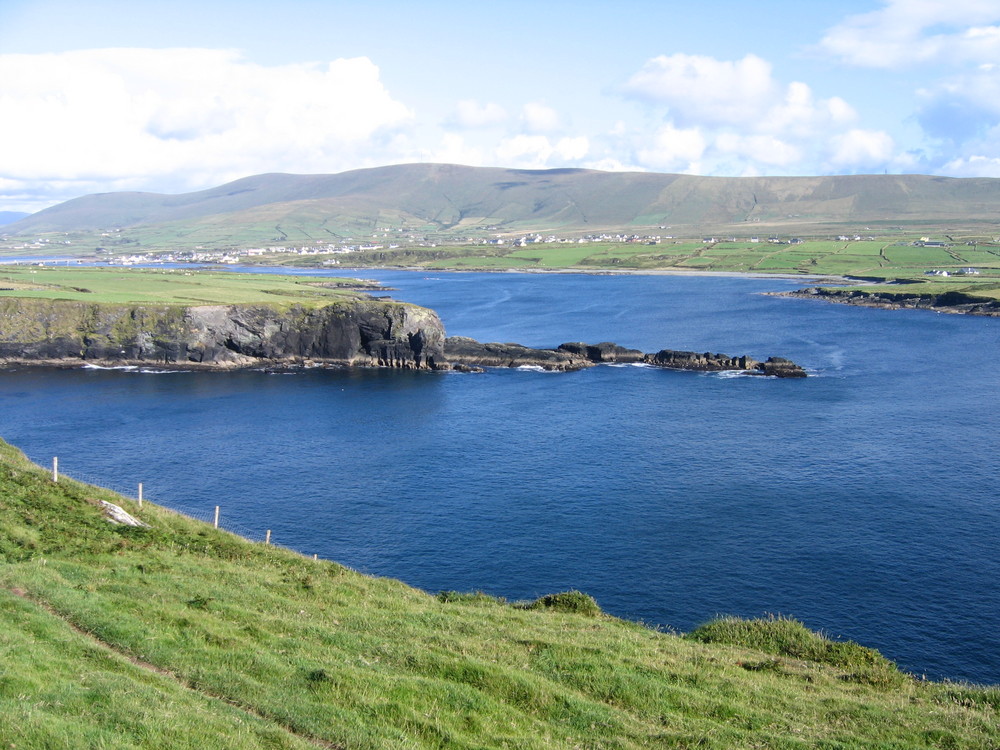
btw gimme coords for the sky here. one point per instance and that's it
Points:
(147, 95)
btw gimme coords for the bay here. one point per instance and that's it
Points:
(863, 500)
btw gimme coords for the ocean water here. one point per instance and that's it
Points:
(864, 501)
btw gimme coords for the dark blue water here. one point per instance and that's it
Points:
(864, 501)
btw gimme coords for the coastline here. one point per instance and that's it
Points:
(952, 303)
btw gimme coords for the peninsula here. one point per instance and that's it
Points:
(113, 317)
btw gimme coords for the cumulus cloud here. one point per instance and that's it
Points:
(735, 117)
(700, 89)
(470, 114)
(539, 118)
(538, 151)
(765, 149)
(674, 149)
(907, 32)
(860, 149)
(129, 116)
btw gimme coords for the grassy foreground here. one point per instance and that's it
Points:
(181, 636)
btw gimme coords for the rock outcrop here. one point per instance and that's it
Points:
(576, 355)
(366, 332)
(946, 302)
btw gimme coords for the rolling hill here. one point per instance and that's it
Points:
(461, 200)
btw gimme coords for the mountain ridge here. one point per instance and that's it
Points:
(454, 198)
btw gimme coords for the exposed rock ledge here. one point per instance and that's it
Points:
(370, 333)
(948, 302)
(461, 351)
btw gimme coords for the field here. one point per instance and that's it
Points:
(169, 286)
(179, 635)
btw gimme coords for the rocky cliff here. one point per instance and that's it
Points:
(368, 333)
(361, 332)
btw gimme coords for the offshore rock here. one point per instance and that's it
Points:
(466, 352)
(462, 352)
(359, 332)
(603, 352)
(708, 362)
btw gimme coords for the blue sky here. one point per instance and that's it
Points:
(169, 97)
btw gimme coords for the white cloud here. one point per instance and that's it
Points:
(674, 149)
(735, 117)
(906, 32)
(764, 149)
(573, 149)
(857, 149)
(973, 166)
(470, 114)
(700, 89)
(145, 116)
(538, 118)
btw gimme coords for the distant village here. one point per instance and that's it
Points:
(380, 242)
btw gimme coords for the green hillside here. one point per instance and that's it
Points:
(457, 199)
(182, 636)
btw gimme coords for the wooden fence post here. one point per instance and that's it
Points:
(55, 468)
(267, 537)
(140, 494)
(216, 524)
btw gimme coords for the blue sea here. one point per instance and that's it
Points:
(864, 500)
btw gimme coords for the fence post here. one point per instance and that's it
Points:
(267, 537)
(55, 468)
(216, 524)
(140, 494)
(315, 556)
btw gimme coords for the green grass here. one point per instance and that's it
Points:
(169, 286)
(183, 636)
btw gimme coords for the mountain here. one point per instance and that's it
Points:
(458, 199)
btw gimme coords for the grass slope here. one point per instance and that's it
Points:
(183, 636)
(171, 287)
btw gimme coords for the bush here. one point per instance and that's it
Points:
(788, 637)
(575, 602)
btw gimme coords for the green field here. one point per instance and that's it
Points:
(170, 287)
(182, 636)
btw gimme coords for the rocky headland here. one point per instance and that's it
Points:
(946, 302)
(362, 333)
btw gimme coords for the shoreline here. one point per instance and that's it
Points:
(951, 303)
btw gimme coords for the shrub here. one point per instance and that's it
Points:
(788, 637)
(575, 602)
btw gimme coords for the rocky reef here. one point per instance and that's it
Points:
(946, 302)
(367, 333)
(466, 352)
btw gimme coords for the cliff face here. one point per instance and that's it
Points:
(366, 332)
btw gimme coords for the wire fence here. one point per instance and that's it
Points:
(214, 517)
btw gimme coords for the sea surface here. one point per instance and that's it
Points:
(864, 501)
